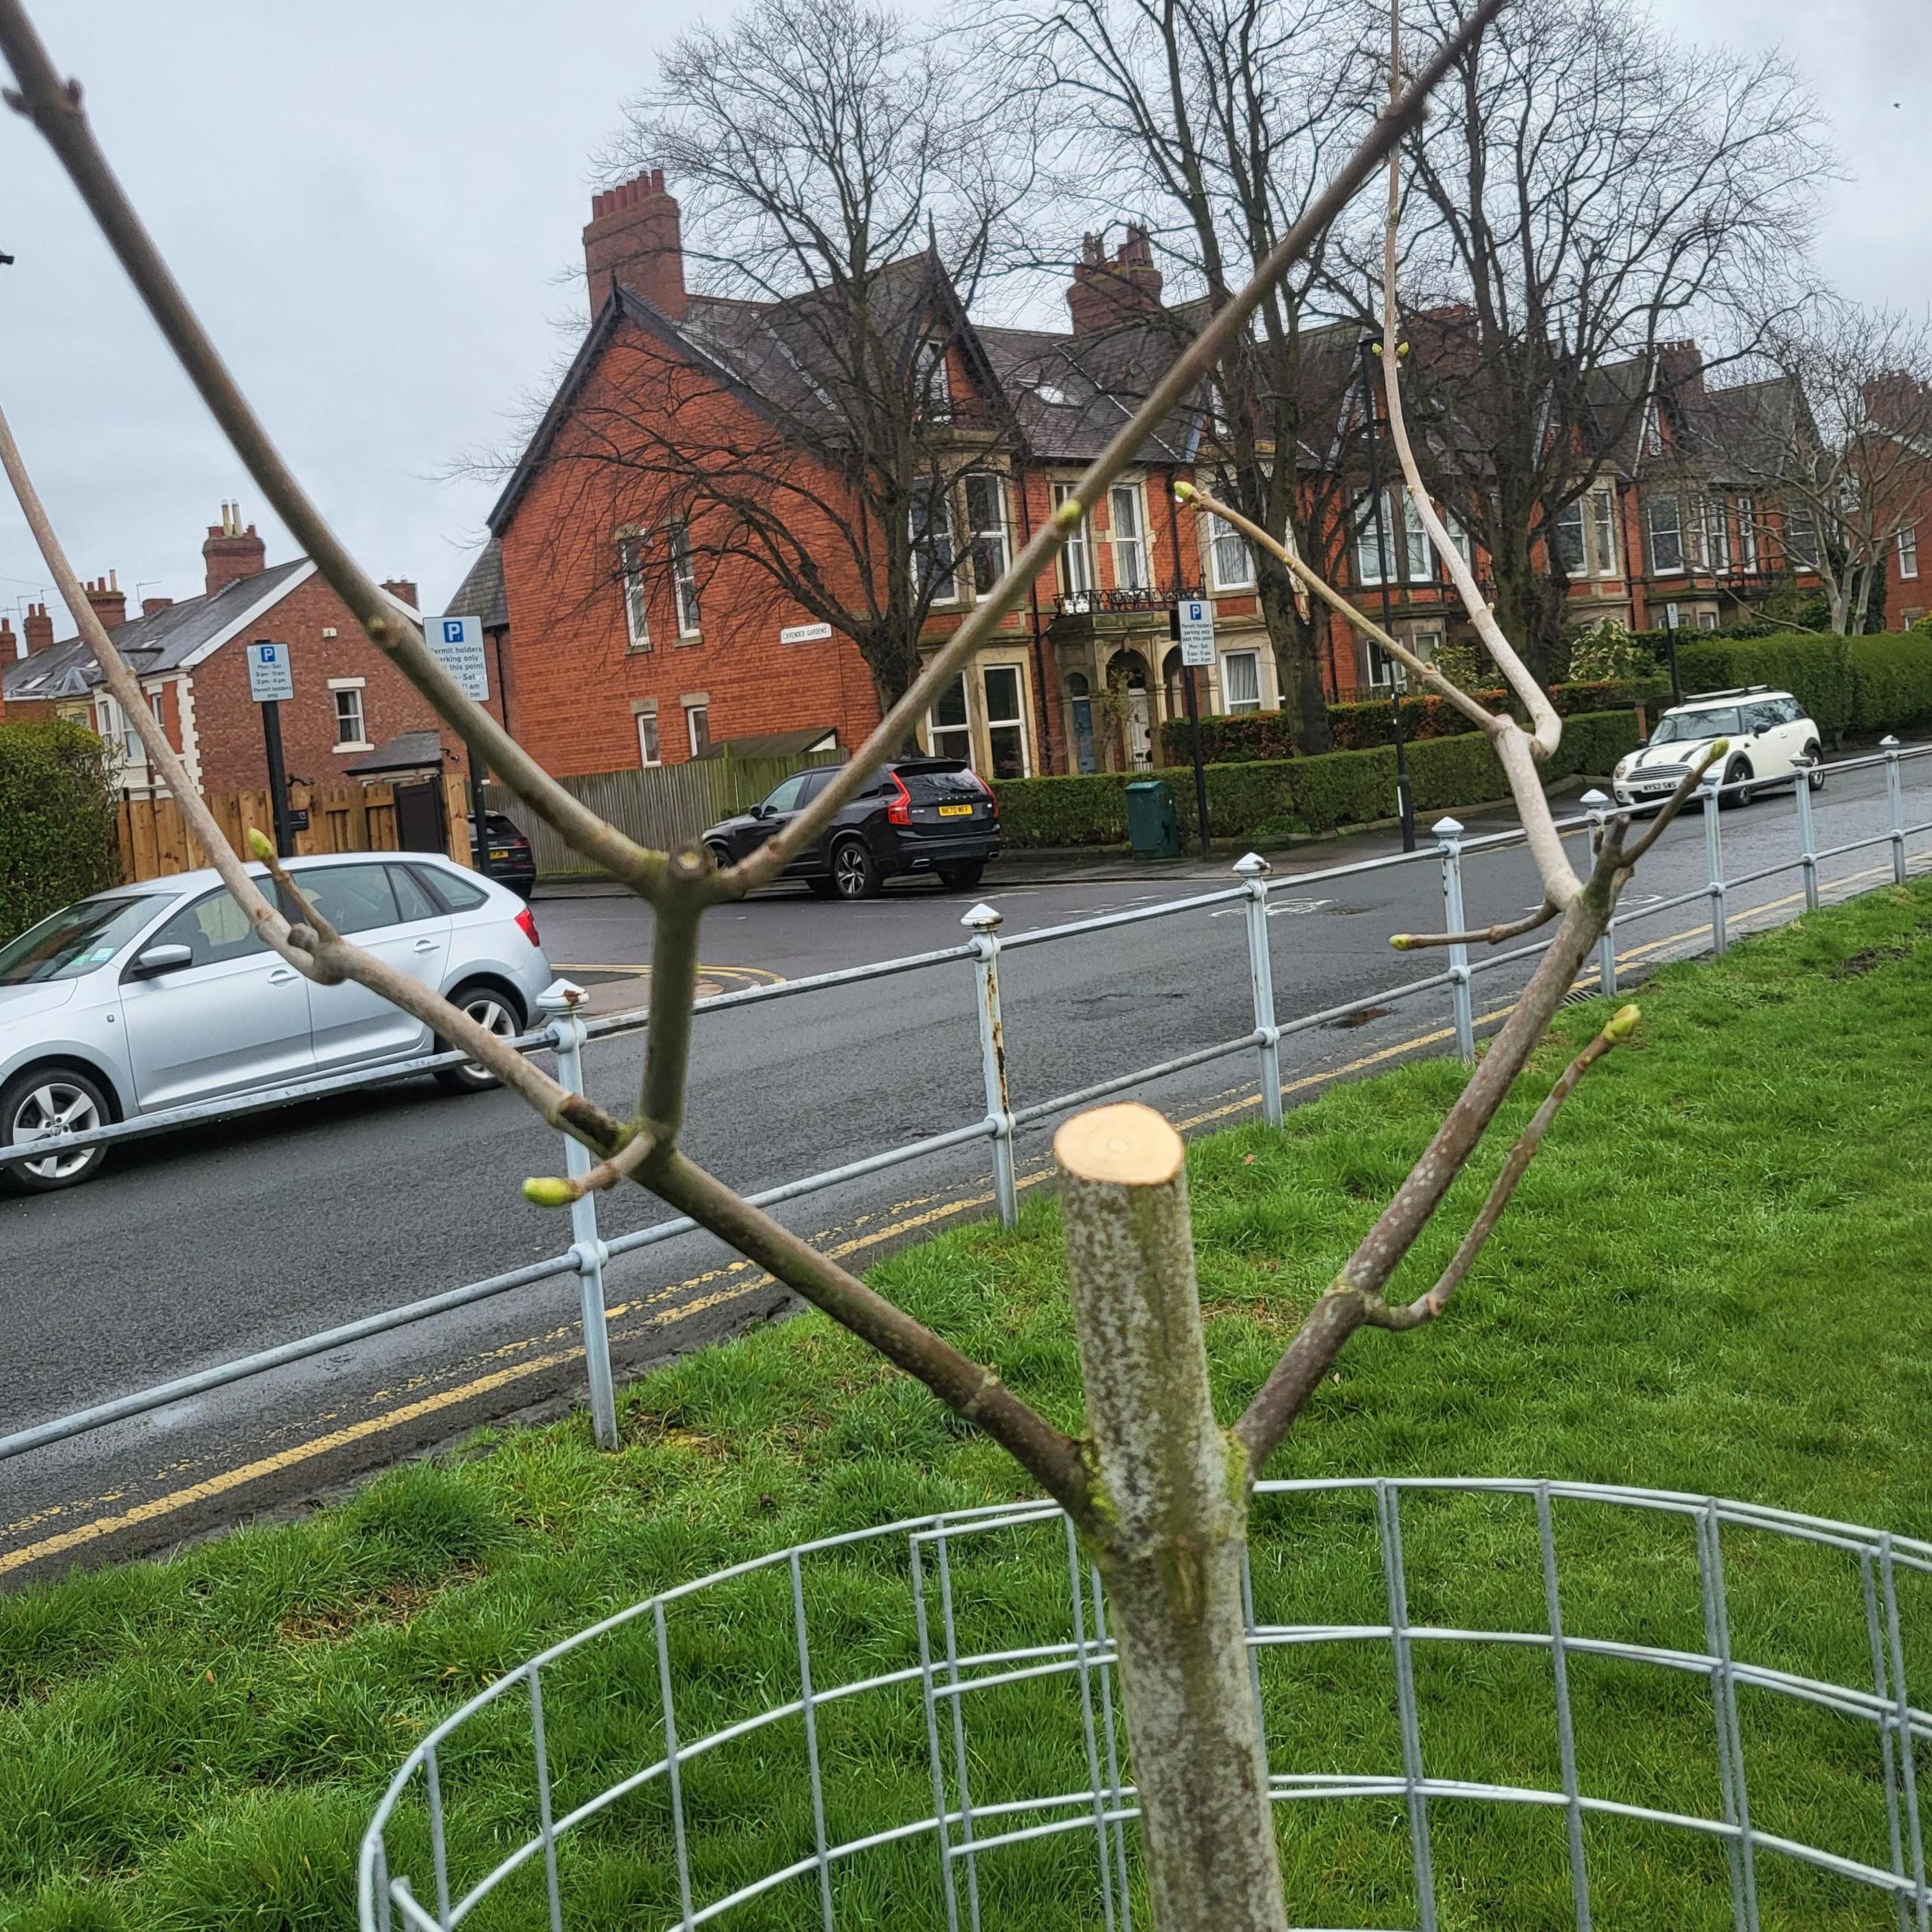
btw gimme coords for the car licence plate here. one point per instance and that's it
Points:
(956, 811)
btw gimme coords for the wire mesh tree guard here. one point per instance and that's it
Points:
(1487, 1702)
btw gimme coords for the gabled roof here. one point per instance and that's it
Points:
(480, 595)
(176, 637)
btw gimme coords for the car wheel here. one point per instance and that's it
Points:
(822, 887)
(1815, 777)
(491, 1008)
(855, 873)
(45, 1100)
(721, 855)
(962, 878)
(1738, 772)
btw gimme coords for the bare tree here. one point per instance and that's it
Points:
(1585, 188)
(1157, 1490)
(811, 409)
(1835, 443)
(1215, 120)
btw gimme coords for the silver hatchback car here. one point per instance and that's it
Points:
(160, 996)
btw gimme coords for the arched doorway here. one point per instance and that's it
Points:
(1131, 703)
(1080, 720)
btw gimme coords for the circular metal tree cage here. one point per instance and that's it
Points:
(1487, 1703)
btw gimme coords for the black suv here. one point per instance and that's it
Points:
(508, 854)
(919, 815)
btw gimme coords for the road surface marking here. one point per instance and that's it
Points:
(758, 975)
(227, 1480)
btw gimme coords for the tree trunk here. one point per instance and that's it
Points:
(1171, 1499)
(1297, 661)
(1529, 611)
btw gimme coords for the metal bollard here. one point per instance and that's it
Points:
(1253, 872)
(1449, 842)
(984, 924)
(1714, 863)
(1895, 795)
(558, 1003)
(1807, 835)
(1598, 805)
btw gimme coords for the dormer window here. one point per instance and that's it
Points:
(1651, 443)
(932, 385)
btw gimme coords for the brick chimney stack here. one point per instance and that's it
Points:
(634, 234)
(1105, 294)
(150, 605)
(231, 552)
(9, 642)
(38, 629)
(402, 590)
(1896, 400)
(109, 601)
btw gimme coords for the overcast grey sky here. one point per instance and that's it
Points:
(372, 205)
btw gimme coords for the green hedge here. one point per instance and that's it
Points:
(1816, 670)
(58, 802)
(1891, 683)
(1268, 798)
(1361, 727)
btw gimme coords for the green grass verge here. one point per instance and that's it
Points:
(1712, 1279)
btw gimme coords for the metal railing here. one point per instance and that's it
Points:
(568, 1032)
(981, 1773)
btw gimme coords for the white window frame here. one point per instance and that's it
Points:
(988, 547)
(650, 753)
(939, 736)
(1076, 555)
(1675, 533)
(1650, 439)
(932, 379)
(1372, 561)
(1252, 659)
(693, 712)
(1226, 543)
(345, 688)
(683, 580)
(1574, 508)
(1908, 549)
(1385, 673)
(1717, 535)
(1603, 532)
(157, 704)
(636, 591)
(1806, 558)
(1130, 559)
(1017, 722)
(927, 554)
(1747, 535)
(1418, 551)
(1458, 535)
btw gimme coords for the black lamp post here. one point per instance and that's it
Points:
(1404, 803)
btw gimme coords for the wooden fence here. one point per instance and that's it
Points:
(661, 806)
(155, 841)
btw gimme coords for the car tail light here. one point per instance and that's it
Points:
(899, 812)
(980, 782)
(526, 924)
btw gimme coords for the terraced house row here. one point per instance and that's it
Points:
(697, 552)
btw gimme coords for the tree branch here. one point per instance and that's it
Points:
(1427, 1307)
(1489, 935)
(971, 1392)
(1687, 787)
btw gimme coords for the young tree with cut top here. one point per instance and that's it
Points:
(1157, 1490)
(1585, 187)
(809, 410)
(1215, 121)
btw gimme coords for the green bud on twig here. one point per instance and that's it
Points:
(548, 1191)
(1068, 514)
(260, 845)
(1622, 1024)
(1401, 942)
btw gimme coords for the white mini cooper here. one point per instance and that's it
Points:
(1772, 742)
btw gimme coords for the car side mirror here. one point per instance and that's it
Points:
(159, 959)
(755, 811)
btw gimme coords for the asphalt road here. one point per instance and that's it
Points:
(198, 1247)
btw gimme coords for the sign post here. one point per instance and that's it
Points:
(271, 680)
(1194, 625)
(458, 643)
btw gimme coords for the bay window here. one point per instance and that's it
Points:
(1076, 556)
(1665, 518)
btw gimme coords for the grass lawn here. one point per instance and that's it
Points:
(1714, 1279)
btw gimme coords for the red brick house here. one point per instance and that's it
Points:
(348, 702)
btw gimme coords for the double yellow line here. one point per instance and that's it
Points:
(732, 1281)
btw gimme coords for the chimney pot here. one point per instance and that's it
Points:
(230, 553)
(634, 234)
(109, 602)
(1103, 293)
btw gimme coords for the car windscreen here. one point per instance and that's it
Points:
(1720, 723)
(76, 940)
(938, 784)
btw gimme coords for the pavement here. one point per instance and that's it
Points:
(197, 1246)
